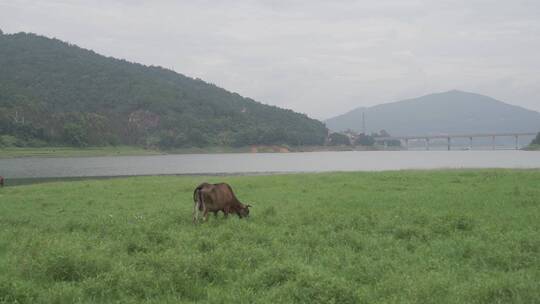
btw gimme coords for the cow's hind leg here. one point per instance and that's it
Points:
(195, 212)
(205, 213)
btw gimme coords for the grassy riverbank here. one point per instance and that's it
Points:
(390, 237)
(13, 152)
(532, 148)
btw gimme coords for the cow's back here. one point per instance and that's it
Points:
(218, 196)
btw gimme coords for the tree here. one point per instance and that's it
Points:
(365, 140)
(338, 139)
(393, 143)
(8, 141)
(536, 141)
(383, 133)
(75, 135)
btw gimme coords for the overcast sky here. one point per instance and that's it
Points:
(317, 57)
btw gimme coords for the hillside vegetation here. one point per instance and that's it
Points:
(461, 236)
(535, 143)
(52, 92)
(453, 112)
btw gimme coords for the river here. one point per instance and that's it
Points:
(250, 163)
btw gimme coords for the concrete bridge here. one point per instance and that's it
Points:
(448, 137)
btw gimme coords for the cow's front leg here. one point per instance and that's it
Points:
(226, 212)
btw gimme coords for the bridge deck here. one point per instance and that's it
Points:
(454, 136)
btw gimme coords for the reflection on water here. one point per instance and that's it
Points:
(272, 162)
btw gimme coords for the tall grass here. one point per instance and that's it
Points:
(390, 237)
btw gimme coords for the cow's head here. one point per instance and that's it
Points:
(244, 210)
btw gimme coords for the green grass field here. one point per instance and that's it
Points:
(392, 237)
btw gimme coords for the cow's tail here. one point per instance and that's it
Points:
(196, 194)
(198, 198)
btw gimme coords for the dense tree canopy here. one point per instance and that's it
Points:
(338, 139)
(54, 92)
(365, 140)
(536, 141)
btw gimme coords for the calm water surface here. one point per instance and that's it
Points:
(264, 163)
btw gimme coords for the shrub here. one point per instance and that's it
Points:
(365, 140)
(337, 139)
(8, 141)
(75, 135)
(536, 141)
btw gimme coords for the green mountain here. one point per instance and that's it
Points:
(453, 112)
(52, 92)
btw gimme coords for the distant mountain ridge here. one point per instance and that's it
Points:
(452, 112)
(52, 92)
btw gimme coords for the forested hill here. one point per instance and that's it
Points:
(52, 92)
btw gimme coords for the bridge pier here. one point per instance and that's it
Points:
(449, 143)
(427, 144)
(406, 144)
(470, 143)
(517, 142)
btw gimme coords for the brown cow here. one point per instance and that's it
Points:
(1, 181)
(214, 198)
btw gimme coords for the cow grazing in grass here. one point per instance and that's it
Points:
(214, 198)
(1, 181)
